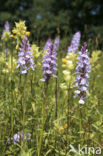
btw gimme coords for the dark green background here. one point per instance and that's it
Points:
(47, 18)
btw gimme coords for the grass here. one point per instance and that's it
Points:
(53, 118)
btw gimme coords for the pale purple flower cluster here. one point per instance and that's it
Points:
(6, 50)
(48, 43)
(56, 43)
(18, 137)
(25, 61)
(75, 43)
(6, 26)
(49, 60)
(82, 74)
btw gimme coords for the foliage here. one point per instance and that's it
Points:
(54, 119)
(64, 17)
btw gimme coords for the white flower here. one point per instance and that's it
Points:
(81, 101)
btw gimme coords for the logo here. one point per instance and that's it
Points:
(85, 150)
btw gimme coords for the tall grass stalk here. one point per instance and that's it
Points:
(11, 93)
(81, 117)
(68, 118)
(56, 108)
(56, 97)
(24, 109)
(44, 109)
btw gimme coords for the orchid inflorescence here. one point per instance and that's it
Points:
(49, 59)
(82, 74)
(25, 61)
(18, 137)
(6, 32)
(75, 43)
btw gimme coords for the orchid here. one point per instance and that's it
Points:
(49, 60)
(25, 61)
(75, 43)
(82, 74)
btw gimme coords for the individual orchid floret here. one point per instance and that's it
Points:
(75, 43)
(82, 74)
(25, 61)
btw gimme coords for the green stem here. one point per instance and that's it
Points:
(43, 117)
(56, 98)
(56, 112)
(68, 119)
(80, 109)
(12, 98)
(24, 110)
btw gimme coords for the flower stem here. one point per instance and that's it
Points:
(44, 104)
(24, 110)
